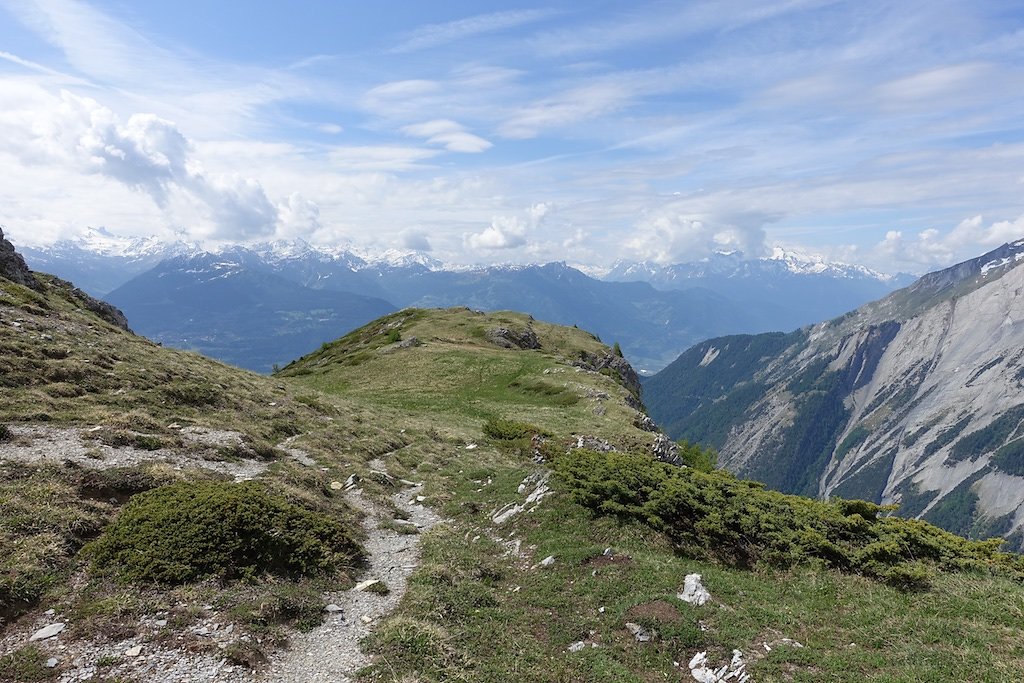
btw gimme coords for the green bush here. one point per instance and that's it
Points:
(189, 531)
(510, 430)
(703, 459)
(717, 515)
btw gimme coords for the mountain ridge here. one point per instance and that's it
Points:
(910, 399)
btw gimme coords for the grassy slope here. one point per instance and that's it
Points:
(477, 612)
(61, 366)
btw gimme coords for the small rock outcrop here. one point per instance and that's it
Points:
(513, 339)
(643, 421)
(666, 450)
(105, 311)
(617, 364)
(13, 266)
(694, 591)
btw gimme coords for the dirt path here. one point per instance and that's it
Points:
(331, 653)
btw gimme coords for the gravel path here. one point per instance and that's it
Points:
(331, 653)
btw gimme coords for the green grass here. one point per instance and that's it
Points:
(474, 612)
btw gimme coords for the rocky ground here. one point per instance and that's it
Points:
(161, 650)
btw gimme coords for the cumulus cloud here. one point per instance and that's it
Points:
(930, 248)
(672, 235)
(448, 134)
(297, 217)
(145, 153)
(504, 232)
(416, 240)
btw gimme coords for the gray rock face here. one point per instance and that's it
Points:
(513, 339)
(617, 364)
(666, 450)
(13, 268)
(105, 311)
(12, 265)
(916, 399)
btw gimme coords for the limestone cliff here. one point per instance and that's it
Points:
(916, 399)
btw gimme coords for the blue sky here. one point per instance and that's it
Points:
(883, 133)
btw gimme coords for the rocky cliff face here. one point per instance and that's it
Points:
(14, 268)
(917, 399)
(12, 265)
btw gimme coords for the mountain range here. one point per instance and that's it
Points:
(654, 313)
(916, 399)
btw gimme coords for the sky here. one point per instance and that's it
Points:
(889, 134)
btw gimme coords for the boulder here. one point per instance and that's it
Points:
(513, 339)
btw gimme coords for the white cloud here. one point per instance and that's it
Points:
(669, 234)
(448, 134)
(378, 158)
(298, 217)
(931, 248)
(504, 232)
(578, 104)
(417, 240)
(145, 153)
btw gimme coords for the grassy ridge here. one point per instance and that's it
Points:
(871, 599)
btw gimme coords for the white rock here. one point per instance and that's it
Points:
(332, 608)
(470, 447)
(47, 632)
(366, 584)
(133, 651)
(51, 662)
(547, 561)
(694, 591)
(577, 646)
(641, 634)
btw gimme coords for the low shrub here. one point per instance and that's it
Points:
(693, 455)
(739, 522)
(189, 531)
(510, 430)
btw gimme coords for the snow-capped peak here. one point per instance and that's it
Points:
(802, 262)
(102, 242)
